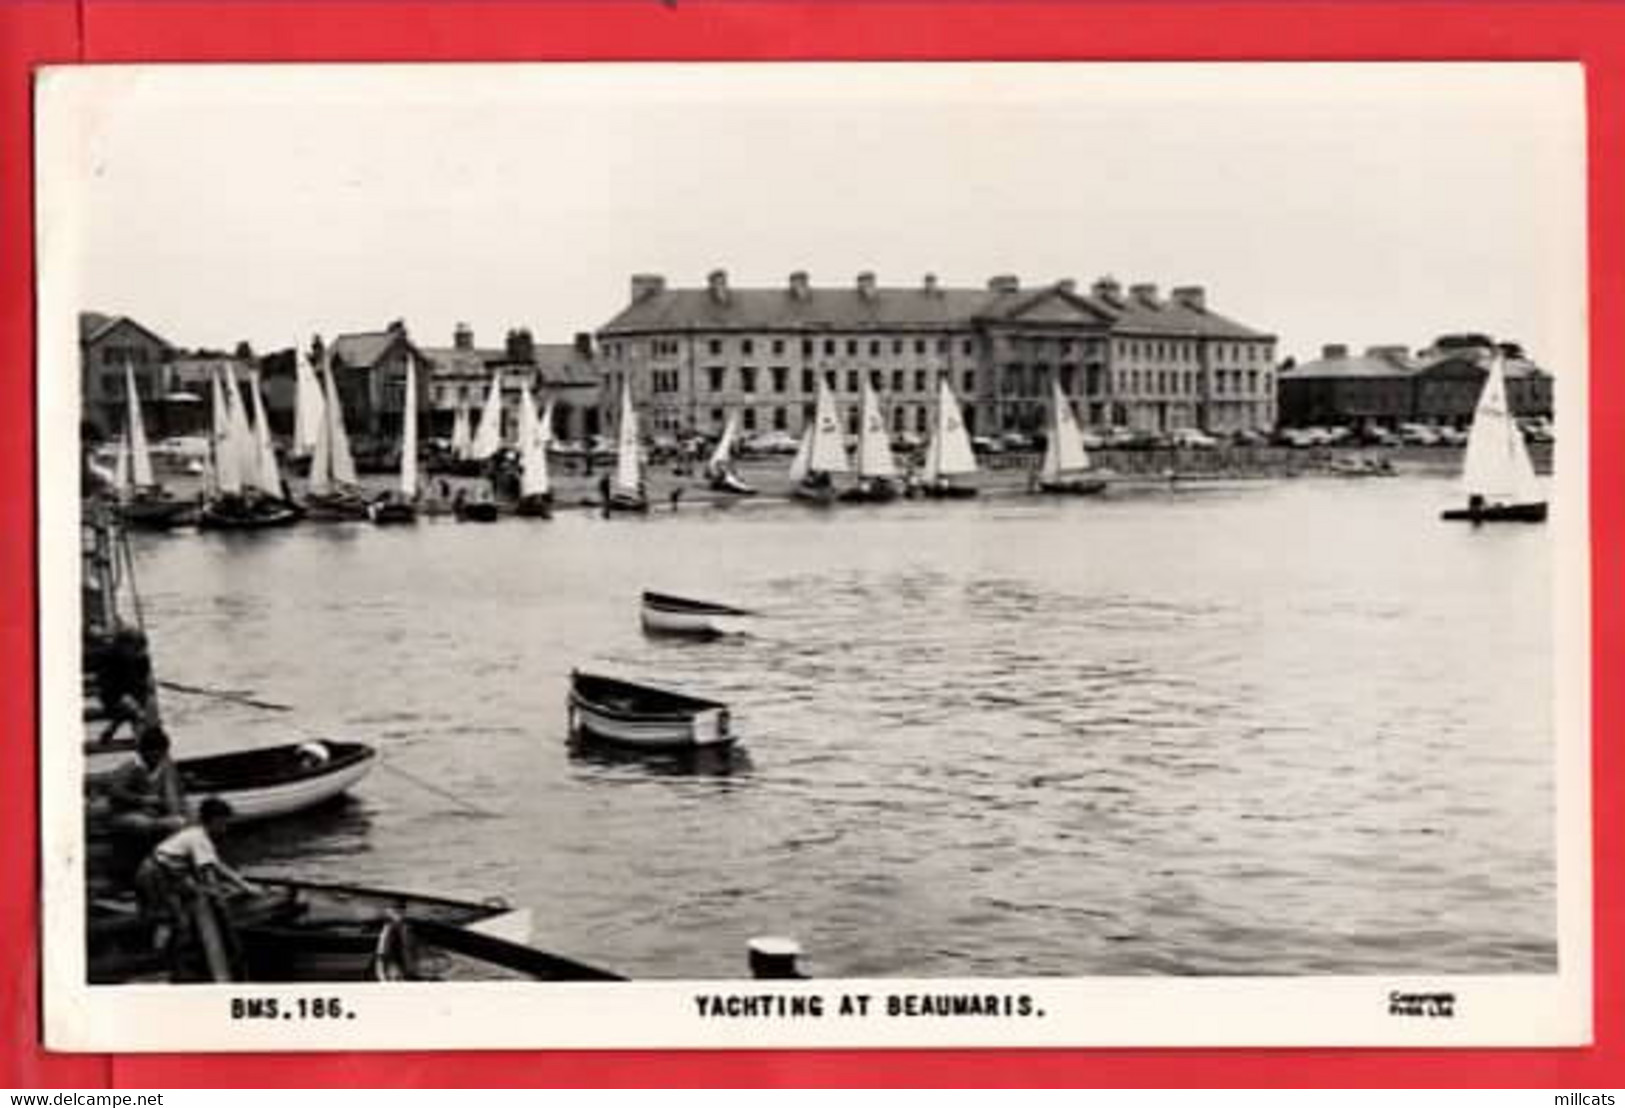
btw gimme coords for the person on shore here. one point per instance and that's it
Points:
(676, 497)
(184, 869)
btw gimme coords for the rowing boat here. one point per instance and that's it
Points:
(642, 717)
(278, 780)
(673, 615)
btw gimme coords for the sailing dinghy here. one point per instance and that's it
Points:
(949, 454)
(821, 455)
(719, 470)
(402, 506)
(643, 717)
(1496, 472)
(626, 491)
(331, 489)
(1066, 462)
(877, 470)
(535, 491)
(247, 493)
(142, 502)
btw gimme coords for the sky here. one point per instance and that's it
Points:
(1357, 204)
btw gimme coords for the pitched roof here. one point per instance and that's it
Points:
(457, 361)
(362, 349)
(560, 365)
(94, 325)
(883, 308)
(1370, 364)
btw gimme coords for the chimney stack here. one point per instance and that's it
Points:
(930, 286)
(1004, 284)
(799, 289)
(717, 283)
(1066, 285)
(866, 285)
(1145, 294)
(521, 346)
(584, 345)
(1193, 297)
(645, 285)
(463, 337)
(1334, 351)
(1109, 290)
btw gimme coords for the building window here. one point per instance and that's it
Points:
(807, 348)
(809, 380)
(715, 346)
(748, 418)
(942, 346)
(896, 346)
(778, 346)
(781, 378)
(781, 419)
(829, 348)
(919, 419)
(969, 381)
(919, 346)
(897, 380)
(851, 348)
(968, 347)
(874, 348)
(919, 380)
(851, 380)
(897, 418)
(715, 372)
(747, 378)
(716, 417)
(829, 379)
(747, 347)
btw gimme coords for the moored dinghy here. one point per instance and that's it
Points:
(279, 780)
(949, 453)
(1066, 462)
(673, 615)
(642, 717)
(877, 470)
(535, 490)
(247, 492)
(821, 455)
(1496, 472)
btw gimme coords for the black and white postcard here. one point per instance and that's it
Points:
(760, 555)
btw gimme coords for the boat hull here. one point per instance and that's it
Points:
(276, 781)
(477, 512)
(1075, 486)
(877, 491)
(818, 496)
(642, 718)
(1499, 513)
(627, 502)
(385, 513)
(729, 483)
(947, 492)
(219, 516)
(156, 513)
(534, 507)
(335, 508)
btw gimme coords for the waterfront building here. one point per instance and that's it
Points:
(1388, 385)
(107, 343)
(1126, 358)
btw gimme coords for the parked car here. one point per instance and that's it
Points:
(1189, 438)
(1374, 435)
(981, 444)
(1015, 442)
(1248, 436)
(1418, 434)
(1452, 436)
(769, 442)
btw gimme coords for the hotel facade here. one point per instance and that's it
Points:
(1126, 358)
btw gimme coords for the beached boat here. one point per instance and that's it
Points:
(720, 473)
(643, 717)
(877, 470)
(673, 615)
(535, 491)
(949, 453)
(279, 780)
(1496, 472)
(626, 489)
(142, 502)
(1066, 462)
(820, 455)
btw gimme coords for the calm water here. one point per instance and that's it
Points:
(1283, 727)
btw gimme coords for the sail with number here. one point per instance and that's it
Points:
(949, 451)
(488, 436)
(874, 445)
(1496, 465)
(409, 434)
(1065, 452)
(827, 454)
(628, 457)
(267, 476)
(309, 406)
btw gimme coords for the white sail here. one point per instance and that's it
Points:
(320, 478)
(136, 460)
(828, 452)
(533, 438)
(342, 460)
(241, 443)
(1065, 452)
(801, 464)
(628, 459)
(488, 436)
(1496, 465)
(724, 452)
(308, 406)
(544, 426)
(228, 469)
(461, 441)
(267, 476)
(874, 445)
(949, 451)
(409, 434)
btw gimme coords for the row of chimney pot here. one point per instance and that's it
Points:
(646, 285)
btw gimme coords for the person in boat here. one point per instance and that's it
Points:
(123, 672)
(140, 805)
(184, 868)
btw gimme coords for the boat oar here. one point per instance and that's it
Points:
(225, 694)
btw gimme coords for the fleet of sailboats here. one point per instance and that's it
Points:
(1066, 461)
(948, 454)
(1496, 473)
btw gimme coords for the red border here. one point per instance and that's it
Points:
(33, 32)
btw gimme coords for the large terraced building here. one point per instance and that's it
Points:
(1125, 357)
